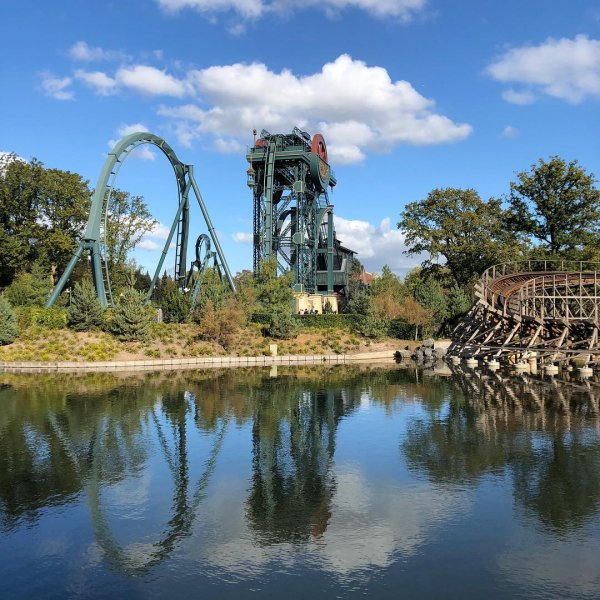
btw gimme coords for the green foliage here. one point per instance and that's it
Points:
(274, 293)
(85, 312)
(557, 204)
(175, 304)
(458, 225)
(459, 302)
(9, 328)
(132, 319)
(360, 303)
(282, 326)
(45, 205)
(327, 308)
(212, 290)
(372, 326)
(328, 321)
(30, 288)
(128, 221)
(45, 318)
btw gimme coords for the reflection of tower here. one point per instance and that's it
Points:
(293, 448)
(293, 220)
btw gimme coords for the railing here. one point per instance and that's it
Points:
(549, 289)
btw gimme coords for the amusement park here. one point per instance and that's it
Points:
(300, 300)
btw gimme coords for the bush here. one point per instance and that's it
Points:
(47, 318)
(175, 305)
(282, 326)
(373, 327)
(328, 321)
(131, 319)
(9, 328)
(220, 324)
(30, 289)
(85, 312)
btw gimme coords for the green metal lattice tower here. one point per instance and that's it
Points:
(290, 179)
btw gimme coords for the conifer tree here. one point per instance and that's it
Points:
(9, 328)
(85, 312)
(132, 319)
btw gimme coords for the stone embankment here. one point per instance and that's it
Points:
(429, 351)
(205, 362)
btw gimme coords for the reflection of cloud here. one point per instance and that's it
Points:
(568, 567)
(369, 525)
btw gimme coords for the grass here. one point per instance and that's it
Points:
(174, 340)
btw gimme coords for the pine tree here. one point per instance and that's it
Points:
(9, 328)
(132, 319)
(85, 312)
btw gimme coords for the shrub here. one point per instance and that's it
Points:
(131, 319)
(9, 328)
(373, 327)
(282, 326)
(85, 312)
(30, 289)
(220, 324)
(175, 305)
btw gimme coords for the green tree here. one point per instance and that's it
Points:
(85, 312)
(274, 293)
(42, 215)
(430, 294)
(462, 228)
(557, 204)
(175, 304)
(9, 328)
(30, 288)
(132, 319)
(129, 220)
(387, 293)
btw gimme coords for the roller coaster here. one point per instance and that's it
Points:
(543, 309)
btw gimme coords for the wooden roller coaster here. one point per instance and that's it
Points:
(533, 309)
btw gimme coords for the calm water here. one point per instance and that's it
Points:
(316, 483)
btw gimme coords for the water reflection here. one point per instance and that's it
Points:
(229, 476)
(543, 432)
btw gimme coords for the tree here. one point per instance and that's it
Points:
(458, 225)
(9, 328)
(220, 324)
(274, 293)
(557, 204)
(175, 304)
(30, 288)
(132, 319)
(430, 294)
(387, 293)
(128, 221)
(42, 215)
(414, 313)
(85, 312)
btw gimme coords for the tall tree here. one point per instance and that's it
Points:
(458, 225)
(42, 215)
(129, 220)
(557, 204)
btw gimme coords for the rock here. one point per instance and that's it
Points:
(430, 343)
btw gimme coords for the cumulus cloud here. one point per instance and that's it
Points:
(150, 81)
(376, 245)
(143, 152)
(100, 82)
(83, 52)
(149, 242)
(509, 132)
(242, 237)
(357, 107)
(56, 87)
(515, 97)
(403, 10)
(568, 69)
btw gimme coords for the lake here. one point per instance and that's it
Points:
(314, 482)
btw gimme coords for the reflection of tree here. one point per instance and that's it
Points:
(535, 428)
(293, 447)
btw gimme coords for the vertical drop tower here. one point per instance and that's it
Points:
(290, 179)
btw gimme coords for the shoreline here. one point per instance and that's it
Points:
(205, 362)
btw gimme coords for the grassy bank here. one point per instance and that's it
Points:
(37, 343)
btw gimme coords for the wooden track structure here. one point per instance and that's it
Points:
(533, 309)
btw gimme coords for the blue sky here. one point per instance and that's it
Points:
(410, 95)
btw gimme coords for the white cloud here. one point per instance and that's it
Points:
(56, 87)
(100, 82)
(142, 152)
(358, 107)
(403, 10)
(83, 52)
(376, 246)
(519, 97)
(150, 81)
(150, 245)
(509, 132)
(160, 231)
(568, 69)
(241, 237)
